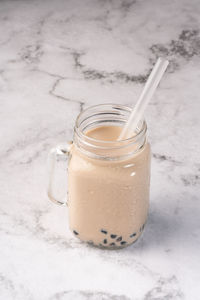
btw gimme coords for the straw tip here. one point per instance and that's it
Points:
(163, 60)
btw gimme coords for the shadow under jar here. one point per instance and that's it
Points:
(108, 181)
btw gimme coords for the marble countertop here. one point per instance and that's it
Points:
(56, 58)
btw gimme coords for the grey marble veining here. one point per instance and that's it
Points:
(56, 58)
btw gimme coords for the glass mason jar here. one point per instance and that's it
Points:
(108, 181)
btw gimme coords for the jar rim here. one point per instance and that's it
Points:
(108, 144)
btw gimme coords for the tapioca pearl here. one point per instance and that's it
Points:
(123, 243)
(133, 234)
(104, 231)
(112, 244)
(105, 241)
(75, 232)
(113, 236)
(119, 239)
(90, 242)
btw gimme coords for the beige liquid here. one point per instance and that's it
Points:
(108, 200)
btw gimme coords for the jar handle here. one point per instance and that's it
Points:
(57, 185)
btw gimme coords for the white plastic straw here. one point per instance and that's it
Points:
(146, 95)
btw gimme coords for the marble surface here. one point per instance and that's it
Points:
(56, 58)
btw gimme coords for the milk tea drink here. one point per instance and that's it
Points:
(108, 180)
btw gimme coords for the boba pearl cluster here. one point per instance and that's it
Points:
(111, 240)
